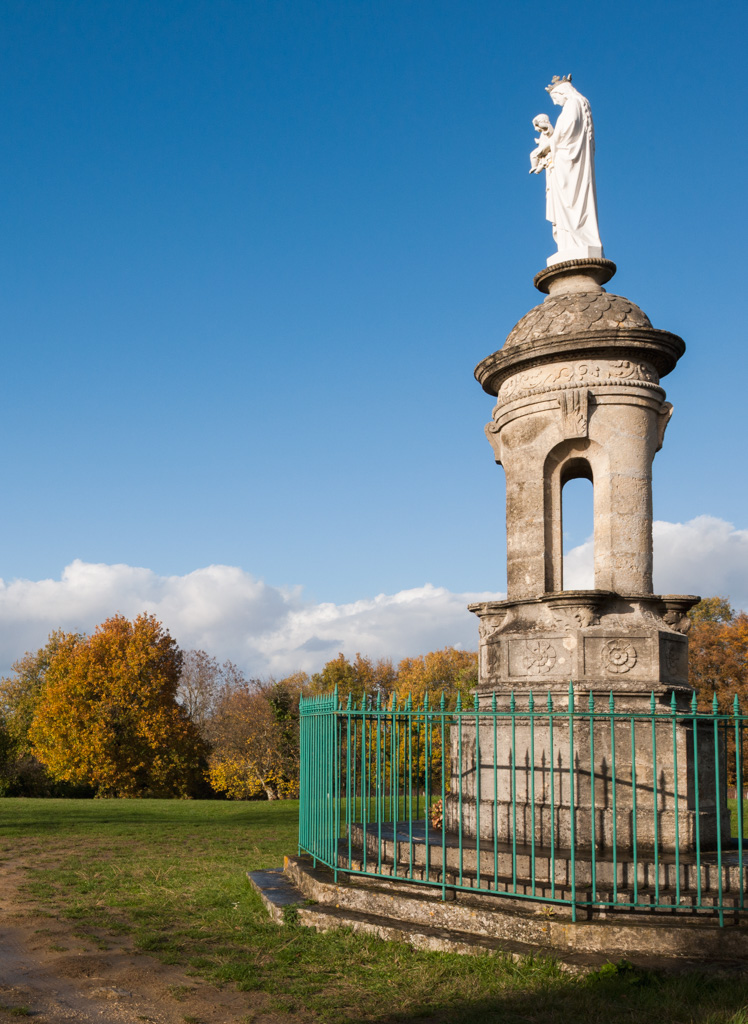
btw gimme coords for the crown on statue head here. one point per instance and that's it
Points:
(557, 81)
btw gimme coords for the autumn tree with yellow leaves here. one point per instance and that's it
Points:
(447, 671)
(718, 653)
(255, 740)
(362, 676)
(107, 713)
(21, 772)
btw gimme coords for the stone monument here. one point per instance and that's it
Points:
(578, 394)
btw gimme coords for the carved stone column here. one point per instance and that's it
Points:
(578, 392)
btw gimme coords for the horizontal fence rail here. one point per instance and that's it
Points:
(596, 804)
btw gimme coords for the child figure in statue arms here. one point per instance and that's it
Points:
(540, 158)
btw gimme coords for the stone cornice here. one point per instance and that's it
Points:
(659, 348)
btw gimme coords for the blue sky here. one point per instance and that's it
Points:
(250, 254)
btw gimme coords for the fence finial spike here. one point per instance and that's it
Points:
(652, 703)
(715, 704)
(736, 705)
(571, 695)
(612, 703)
(458, 702)
(426, 701)
(531, 702)
(443, 701)
(694, 703)
(591, 702)
(512, 702)
(550, 702)
(349, 704)
(493, 701)
(379, 700)
(476, 701)
(394, 701)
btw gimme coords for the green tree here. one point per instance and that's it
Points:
(21, 772)
(712, 609)
(255, 740)
(362, 676)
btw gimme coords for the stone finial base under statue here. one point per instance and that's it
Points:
(582, 252)
(577, 275)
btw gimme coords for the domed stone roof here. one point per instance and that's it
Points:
(574, 312)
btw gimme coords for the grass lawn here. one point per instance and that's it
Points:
(733, 806)
(171, 875)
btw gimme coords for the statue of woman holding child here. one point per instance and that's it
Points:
(566, 153)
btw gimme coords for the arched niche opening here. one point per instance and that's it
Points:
(577, 526)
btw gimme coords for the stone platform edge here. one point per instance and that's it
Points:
(300, 893)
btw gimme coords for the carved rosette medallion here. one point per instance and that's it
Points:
(618, 656)
(540, 656)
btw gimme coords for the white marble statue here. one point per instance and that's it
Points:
(566, 153)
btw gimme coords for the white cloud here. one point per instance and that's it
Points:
(264, 629)
(267, 629)
(578, 570)
(704, 556)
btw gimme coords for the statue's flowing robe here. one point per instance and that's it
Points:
(571, 199)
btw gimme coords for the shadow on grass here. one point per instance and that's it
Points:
(614, 995)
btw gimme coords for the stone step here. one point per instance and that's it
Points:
(396, 847)
(280, 896)
(538, 926)
(486, 889)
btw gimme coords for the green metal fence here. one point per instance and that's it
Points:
(593, 803)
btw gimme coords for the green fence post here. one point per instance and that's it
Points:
(673, 711)
(593, 823)
(458, 714)
(495, 795)
(426, 786)
(442, 713)
(632, 722)
(551, 715)
(572, 809)
(612, 711)
(476, 706)
(739, 792)
(531, 710)
(512, 712)
(409, 720)
(718, 804)
(697, 822)
(656, 821)
(335, 822)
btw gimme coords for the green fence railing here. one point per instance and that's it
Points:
(594, 803)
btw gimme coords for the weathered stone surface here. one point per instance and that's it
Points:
(579, 396)
(574, 312)
(468, 920)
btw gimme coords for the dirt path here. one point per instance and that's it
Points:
(50, 974)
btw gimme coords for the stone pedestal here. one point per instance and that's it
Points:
(579, 395)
